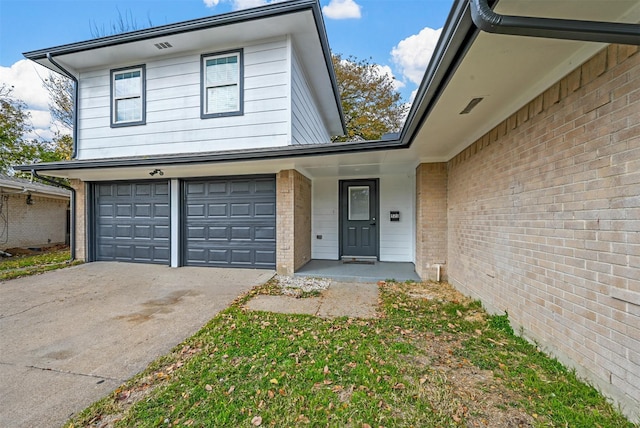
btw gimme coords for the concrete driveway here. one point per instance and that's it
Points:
(69, 337)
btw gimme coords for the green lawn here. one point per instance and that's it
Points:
(19, 266)
(433, 359)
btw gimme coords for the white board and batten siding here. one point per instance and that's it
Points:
(173, 123)
(397, 239)
(307, 125)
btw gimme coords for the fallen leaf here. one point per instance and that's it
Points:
(458, 312)
(256, 421)
(366, 426)
(326, 370)
(208, 387)
(274, 381)
(271, 394)
(422, 380)
(233, 388)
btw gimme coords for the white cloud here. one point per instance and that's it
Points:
(412, 54)
(26, 78)
(211, 3)
(385, 69)
(342, 9)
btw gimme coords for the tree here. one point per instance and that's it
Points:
(370, 102)
(60, 89)
(15, 122)
(15, 148)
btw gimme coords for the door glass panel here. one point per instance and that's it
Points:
(358, 202)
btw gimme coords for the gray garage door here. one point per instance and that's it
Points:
(132, 222)
(230, 222)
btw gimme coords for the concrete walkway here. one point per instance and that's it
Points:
(69, 337)
(341, 299)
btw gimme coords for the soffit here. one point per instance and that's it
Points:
(509, 71)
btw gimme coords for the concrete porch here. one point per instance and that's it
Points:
(359, 272)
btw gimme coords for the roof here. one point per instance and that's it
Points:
(506, 71)
(13, 185)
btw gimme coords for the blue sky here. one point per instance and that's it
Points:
(399, 35)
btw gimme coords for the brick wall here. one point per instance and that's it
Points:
(22, 225)
(544, 221)
(431, 220)
(81, 223)
(293, 247)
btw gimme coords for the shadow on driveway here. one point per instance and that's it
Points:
(69, 337)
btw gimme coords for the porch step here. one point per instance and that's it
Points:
(364, 260)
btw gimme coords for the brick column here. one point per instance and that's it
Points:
(431, 220)
(293, 246)
(81, 221)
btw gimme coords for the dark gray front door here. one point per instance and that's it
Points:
(359, 218)
(230, 222)
(132, 222)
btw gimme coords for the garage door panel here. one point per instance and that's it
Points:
(132, 222)
(265, 258)
(218, 210)
(241, 210)
(264, 209)
(238, 226)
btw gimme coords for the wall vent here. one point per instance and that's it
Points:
(163, 45)
(474, 102)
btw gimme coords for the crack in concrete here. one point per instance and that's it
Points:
(26, 310)
(75, 374)
(45, 369)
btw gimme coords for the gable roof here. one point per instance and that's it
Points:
(13, 185)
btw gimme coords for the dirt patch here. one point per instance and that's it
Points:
(453, 385)
(37, 249)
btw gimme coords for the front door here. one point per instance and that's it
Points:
(359, 218)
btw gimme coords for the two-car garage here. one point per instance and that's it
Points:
(223, 222)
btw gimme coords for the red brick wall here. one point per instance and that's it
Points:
(544, 221)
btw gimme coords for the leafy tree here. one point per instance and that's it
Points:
(60, 89)
(15, 123)
(371, 104)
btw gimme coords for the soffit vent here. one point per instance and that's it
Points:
(472, 104)
(163, 45)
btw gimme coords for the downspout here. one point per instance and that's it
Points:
(589, 31)
(74, 149)
(72, 220)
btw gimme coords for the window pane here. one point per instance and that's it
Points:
(128, 84)
(222, 99)
(222, 71)
(129, 110)
(358, 202)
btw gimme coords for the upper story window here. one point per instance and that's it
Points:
(128, 102)
(222, 84)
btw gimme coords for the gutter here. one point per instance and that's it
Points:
(567, 29)
(74, 149)
(72, 232)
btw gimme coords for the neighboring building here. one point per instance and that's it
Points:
(517, 173)
(32, 214)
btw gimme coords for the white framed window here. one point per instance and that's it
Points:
(128, 101)
(222, 84)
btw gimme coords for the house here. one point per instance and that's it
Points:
(32, 214)
(516, 175)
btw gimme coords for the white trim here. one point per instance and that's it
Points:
(174, 195)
